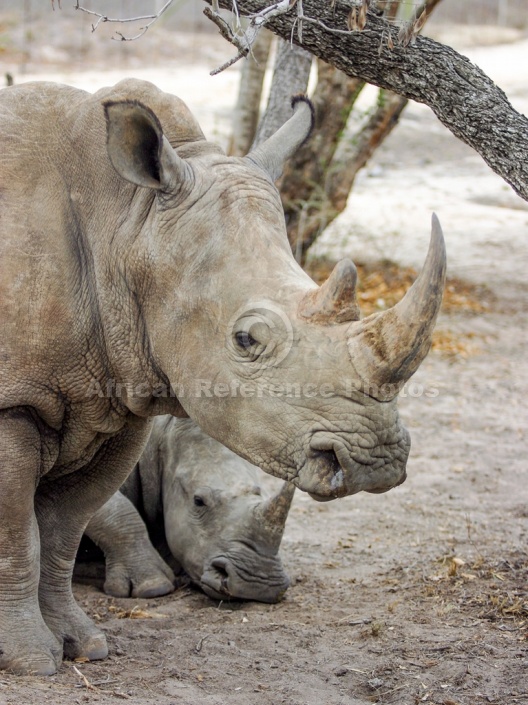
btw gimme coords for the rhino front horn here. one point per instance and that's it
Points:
(334, 301)
(272, 513)
(386, 348)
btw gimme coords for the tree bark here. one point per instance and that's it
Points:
(461, 95)
(248, 103)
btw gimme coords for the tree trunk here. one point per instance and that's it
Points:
(320, 176)
(290, 76)
(248, 103)
(462, 96)
(353, 153)
(302, 190)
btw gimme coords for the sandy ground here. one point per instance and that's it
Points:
(419, 595)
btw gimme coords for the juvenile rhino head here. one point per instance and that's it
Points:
(218, 526)
(282, 372)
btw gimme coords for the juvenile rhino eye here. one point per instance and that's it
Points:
(245, 340)
(198, 501)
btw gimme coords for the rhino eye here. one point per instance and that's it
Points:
(245, 340)
(198, 501)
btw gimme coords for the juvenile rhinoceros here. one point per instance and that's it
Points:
(143, 272)
(205, 513)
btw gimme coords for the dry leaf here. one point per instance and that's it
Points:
(135, 613)
(352, 20)
(454, 565)
(405, 34)
(418, 25)
(362, 17)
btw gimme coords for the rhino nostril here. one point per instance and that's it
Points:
(328, 458)
(220, 567)
(325, 461)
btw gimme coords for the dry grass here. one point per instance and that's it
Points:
(494, 592)
(382, 284)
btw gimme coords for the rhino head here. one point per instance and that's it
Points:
(218, 526)
(281, 371)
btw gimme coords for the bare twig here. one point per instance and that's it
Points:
(354, 622)
(199, 645)
(104, 18)
(232, 37)
(86, 682)
(242, 39)
(106, 681)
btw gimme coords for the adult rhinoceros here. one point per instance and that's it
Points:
(144, 272)
(203, 509)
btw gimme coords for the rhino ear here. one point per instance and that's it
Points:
(273, 153)
(137, 148)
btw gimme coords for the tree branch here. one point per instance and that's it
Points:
(461, 95)
(243, 39)
(104, 18)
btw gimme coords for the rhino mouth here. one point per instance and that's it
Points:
(332, 471)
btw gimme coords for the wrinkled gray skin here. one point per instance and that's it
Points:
(204, 508)
(137, 261)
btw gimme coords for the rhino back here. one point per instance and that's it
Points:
(39, 246)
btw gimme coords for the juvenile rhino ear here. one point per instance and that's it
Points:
(137, 148)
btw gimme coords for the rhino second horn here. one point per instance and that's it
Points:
(271, 514)
(387, 348)
(334, 301)
(273, 153)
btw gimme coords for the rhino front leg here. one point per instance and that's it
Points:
(64, 507)
(27, 646)
(133, 566)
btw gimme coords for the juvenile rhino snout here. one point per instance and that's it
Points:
(223, 578)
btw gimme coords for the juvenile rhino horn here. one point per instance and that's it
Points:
(271, 154)
(334, 301)
(272, 513)
(387, 348)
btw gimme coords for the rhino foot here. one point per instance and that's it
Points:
(39, 655)
(33, 663)
(152, 578)
(154, 587)
(91, 646)
(80, 636)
